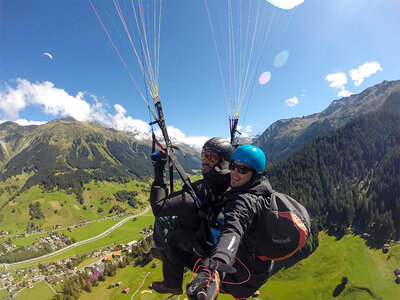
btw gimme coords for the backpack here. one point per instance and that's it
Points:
(283, 228)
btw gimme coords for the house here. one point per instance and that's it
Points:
(126, 290)
(11, 288)
(51, 268)
(118, 283)
(117, 254)
(30, 285)
(107, 258)
(5, 274)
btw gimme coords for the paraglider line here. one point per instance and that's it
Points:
(216, 49)
(122, 60)
(119, 10)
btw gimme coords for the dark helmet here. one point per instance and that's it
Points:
(220, 146)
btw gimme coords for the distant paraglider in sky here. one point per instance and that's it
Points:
(264, 78)
(48, 54)
(285, 4)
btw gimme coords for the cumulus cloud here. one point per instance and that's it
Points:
(344, 93)
(57, 102)
(52, 100)
(364, 71)
(292, 101)
(176, 135)
(126, 123)
(245, 131)
(338, 80)
(24, 122)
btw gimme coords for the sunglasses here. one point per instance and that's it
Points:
(211, 158)
(241, 169)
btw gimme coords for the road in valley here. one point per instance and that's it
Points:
(92, 239)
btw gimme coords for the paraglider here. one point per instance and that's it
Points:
(48, 54)
(285, 4)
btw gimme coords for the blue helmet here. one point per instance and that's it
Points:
(250, 155)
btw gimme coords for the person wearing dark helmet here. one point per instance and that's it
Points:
(236, 236)
(189, 233)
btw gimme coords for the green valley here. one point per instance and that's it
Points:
(369, 272)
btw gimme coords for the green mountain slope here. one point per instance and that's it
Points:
(59, 150)
(351, 176)
(56, 163)
(284, 136)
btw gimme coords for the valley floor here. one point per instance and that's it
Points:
(369, 272)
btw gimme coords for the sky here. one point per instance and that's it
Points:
(302, 59)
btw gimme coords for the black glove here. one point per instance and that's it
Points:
(159, 159)
(200, 282)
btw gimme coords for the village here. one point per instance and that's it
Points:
(54, 273)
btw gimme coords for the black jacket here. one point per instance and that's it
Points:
(181, 204)
(242, 209)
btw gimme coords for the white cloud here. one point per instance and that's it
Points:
(176, 135)
(196, 141)
(337, 80)
(344, 93)
(292, 101)
(121, 122)
(57, 102)
(52, 100)
(23, 122)
(245, 131)
(364, 71)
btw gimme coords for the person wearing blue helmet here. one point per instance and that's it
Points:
(235, 236)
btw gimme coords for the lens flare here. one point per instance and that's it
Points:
(264, 78)
(281, 58)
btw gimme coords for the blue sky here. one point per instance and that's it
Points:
(333, 48)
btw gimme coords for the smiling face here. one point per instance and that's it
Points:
(237, 179)
(210, 159)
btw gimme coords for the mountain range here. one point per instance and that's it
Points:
(320, 159)
(286, 135)
(56, 154)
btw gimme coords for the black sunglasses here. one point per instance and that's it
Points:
(241, 169)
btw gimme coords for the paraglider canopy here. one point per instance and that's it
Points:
(285, 4)
(48, 54)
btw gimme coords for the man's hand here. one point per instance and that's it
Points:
(210, 267)
(198, 284)
(159, 159)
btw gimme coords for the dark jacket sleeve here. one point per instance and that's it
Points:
(239, 212)
(176, 204)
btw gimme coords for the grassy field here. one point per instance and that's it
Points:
(369, 271)
(59, 207)
(39, 291)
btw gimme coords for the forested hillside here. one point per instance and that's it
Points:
(351, 176)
